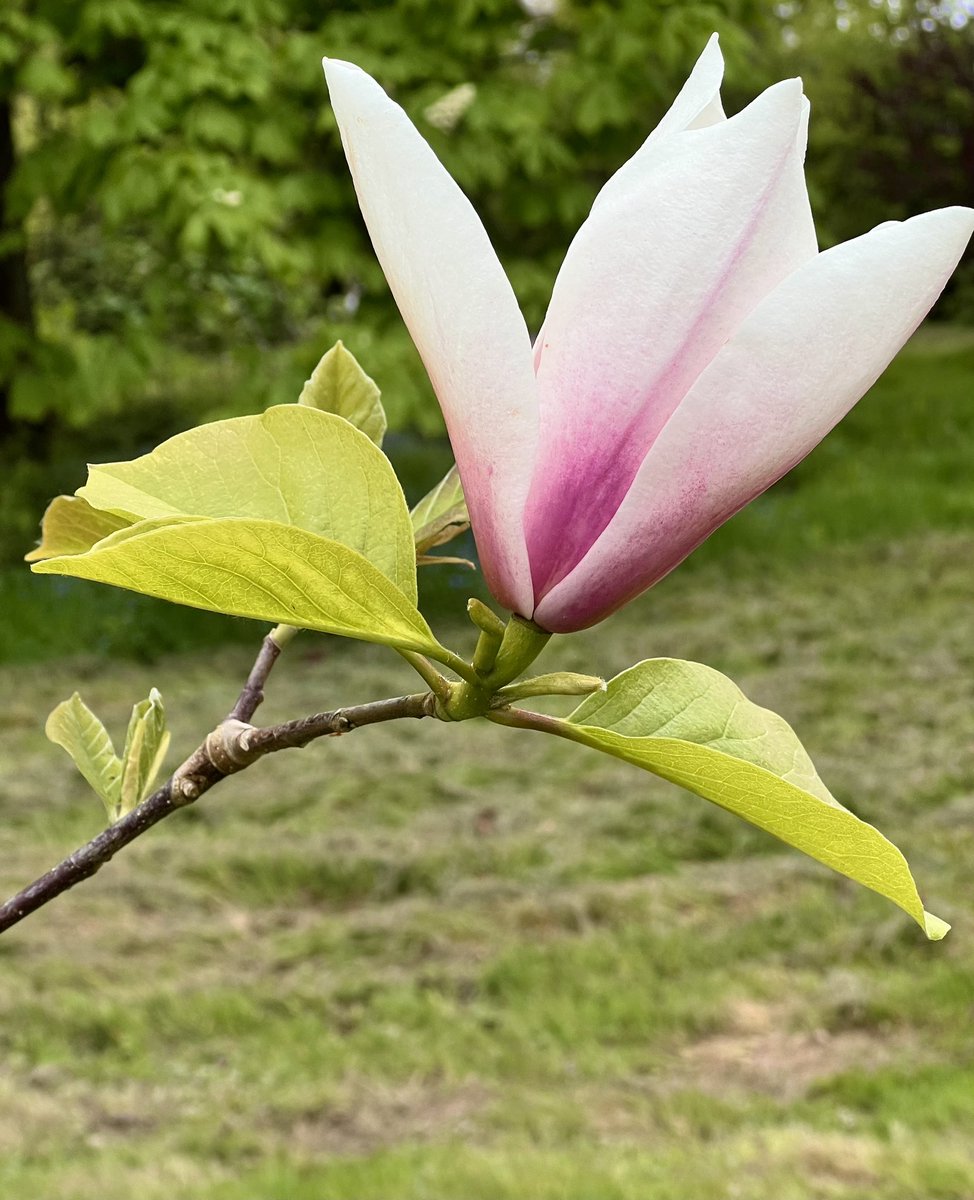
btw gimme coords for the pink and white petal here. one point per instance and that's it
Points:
(655, 282)
(459, 308)
(792, 371)
(697, 106)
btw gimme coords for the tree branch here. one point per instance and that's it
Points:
(252, 693)
(231, 747)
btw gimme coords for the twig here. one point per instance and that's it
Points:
(252, 693)
(231, 747)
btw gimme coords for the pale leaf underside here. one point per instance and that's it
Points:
(260, 569)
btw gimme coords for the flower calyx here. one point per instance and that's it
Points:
(503, 652)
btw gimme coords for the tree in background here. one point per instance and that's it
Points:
(179, 185)
(892, 131)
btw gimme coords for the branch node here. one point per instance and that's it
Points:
(228, 749)
(227, 746)
(186, 790)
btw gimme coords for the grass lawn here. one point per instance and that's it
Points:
(430, 963)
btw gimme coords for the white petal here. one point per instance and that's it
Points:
(697, 106)
(793, 370)
(655, 282)
(460, 310)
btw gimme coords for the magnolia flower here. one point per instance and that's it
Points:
(696, 347)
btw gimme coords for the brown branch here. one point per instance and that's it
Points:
(252, 693)
(231, 747)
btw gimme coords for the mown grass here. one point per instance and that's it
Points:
(430, 962)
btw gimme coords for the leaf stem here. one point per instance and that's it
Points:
(282, 634)
(523, 718)
(439, 686)
(456, 664)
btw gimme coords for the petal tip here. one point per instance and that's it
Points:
(783, 102)
(961, 217)
(793, 88)
(711, 61)
(335, 68)
(948, 229)
(712, 48)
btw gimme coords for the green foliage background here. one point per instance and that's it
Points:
(179, 238)
(182, 185)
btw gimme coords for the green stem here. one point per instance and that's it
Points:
(523, 642)
(436, 683)
(282, 634)
(454, 662)
(485, 654)
(485, 618)
(522, 718)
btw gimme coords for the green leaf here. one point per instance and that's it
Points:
(339, 385)
(146, 743)
(75, 728)
(291, 464)
(71, 526)
(141, 527)
(261, 569)
(441, 515)
(688, 723)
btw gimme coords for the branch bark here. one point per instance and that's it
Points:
(252, 693)
(231, 747)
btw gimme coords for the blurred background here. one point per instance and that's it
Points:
(450, 972)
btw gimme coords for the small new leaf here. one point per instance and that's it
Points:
(691, 725)
(556, 683)
(339, 385)
(146, 743)
(76, 729)
(71, 526)
(441, 515)
(261, 569)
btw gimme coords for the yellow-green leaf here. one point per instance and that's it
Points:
(441, 515)
(339, 385)
(291, 464)
(140, 527)
(688, 723)
(76, 729)
(146, 743)
(71, 526)
(261, 569)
